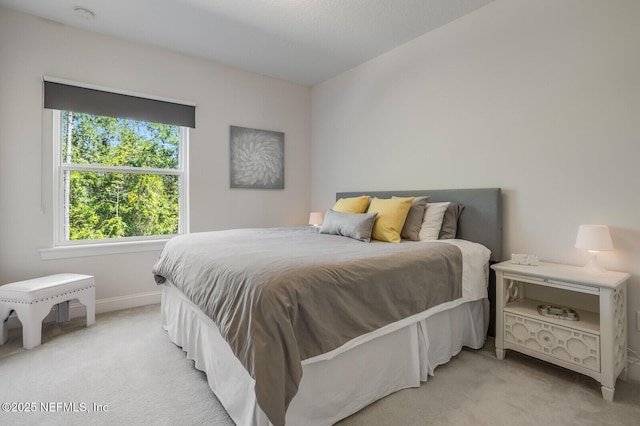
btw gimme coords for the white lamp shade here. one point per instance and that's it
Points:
(315, 218)
(594, 237)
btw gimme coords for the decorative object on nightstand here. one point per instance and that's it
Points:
(559, 312)
(594, 238)
(525, 259)
(315, 218)
(591, 340)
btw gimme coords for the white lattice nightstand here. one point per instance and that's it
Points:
(594, 345)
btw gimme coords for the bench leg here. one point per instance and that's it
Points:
(88, 299)
(31, 317)
(4, 316)
(63, 314)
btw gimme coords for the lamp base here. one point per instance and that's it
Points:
(593, 266)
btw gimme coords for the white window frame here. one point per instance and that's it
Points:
(90, 247)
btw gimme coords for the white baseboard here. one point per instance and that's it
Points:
(118, 303)
(102, 305)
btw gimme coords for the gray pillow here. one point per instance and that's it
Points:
(413, 222)
(449, 228)
(353, 225)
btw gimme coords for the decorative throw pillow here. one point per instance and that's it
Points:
(353, 225)
(392, 213)
(352, 205)
(413, 222)
(450, 221)
(432, 222)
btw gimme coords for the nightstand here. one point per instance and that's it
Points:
(595, 344)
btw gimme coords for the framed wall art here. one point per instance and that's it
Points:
(256, 158)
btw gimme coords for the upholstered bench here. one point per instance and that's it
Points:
(32, 301)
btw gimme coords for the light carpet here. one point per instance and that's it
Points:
(124, 370)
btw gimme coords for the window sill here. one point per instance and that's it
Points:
(101, 249)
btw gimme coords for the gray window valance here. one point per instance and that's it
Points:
(67, 97)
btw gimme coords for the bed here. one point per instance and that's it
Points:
(334, 323)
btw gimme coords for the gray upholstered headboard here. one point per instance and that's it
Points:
(480, 221)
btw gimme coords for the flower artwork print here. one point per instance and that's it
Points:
(256, 158)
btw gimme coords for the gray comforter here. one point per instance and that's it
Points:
(282, 295)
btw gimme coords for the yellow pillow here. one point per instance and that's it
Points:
(392, 212)
(352, 205)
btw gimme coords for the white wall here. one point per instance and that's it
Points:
(31, 47)
(540, 98)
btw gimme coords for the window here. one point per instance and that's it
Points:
(117, 177)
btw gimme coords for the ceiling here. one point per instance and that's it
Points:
(304, 41)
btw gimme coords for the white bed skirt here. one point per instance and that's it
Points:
(337, 386)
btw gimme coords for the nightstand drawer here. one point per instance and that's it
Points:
(563, 343)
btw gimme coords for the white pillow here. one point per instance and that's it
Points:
(432, 221)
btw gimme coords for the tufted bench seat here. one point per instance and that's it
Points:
(32, 301)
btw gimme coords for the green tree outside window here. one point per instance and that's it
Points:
(121, 177)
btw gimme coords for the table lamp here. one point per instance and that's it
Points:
(594, 238)
(315, 219)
